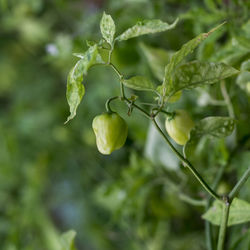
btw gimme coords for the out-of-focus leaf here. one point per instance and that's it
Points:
(243, 79)
(107, 27)
(67, 240)
(194, 74)
(146, 27)
(239, 212)
(75, 88)
(178, 57)
(245, 65)
(139, 83)
(157, 59)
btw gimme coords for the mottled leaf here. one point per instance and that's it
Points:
(194, 74)
(146, 27)
(139, 83)
(107, 27)
(213, 126)
(178, 57)
(239, 212)
(67, 240)
(75, 88)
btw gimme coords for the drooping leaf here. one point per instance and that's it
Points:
(157, 59)
(146, 27)
(178, 57)
(239, 212)
(213, 126)
(139, 83)
(67, 240)
(194, 74)
(75, 88)
(107, 27)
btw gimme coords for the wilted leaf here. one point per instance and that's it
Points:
(75, 88)
(239, 212)
(146, 27)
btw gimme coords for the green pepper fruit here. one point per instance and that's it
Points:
(111, 132)
(179, 126)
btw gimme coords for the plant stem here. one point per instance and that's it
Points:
(116, 70)
(223, 225)
(208, 234)
(208, 226)
(227, 99)
(187, 163)
(137, 107)
(178, 154)
(192, 201)
(239, 184)
(107, 104)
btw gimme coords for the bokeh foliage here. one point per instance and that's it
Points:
(52, 178)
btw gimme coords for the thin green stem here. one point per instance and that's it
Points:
(107, 104)
(137, 107)
(223, 225)
(227, 99)
(208, 226)
(116, 70)
(187, 163)
(169, 114)
(208, 234)
(239, 184)
(192, 201)
(110, 54)
(179, 155)
(122, 90)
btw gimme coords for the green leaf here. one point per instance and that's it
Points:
(146, 27)
(239, 212)
(75, 88)
(245, 65)
(139, 83)
(243, 79)
(67, 240)
(178, 56)
(194, 74)
(107, 27)
(157, 59)
(213, 126)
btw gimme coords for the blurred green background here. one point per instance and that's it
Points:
(52, 178)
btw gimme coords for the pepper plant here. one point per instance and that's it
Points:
(111, 130)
